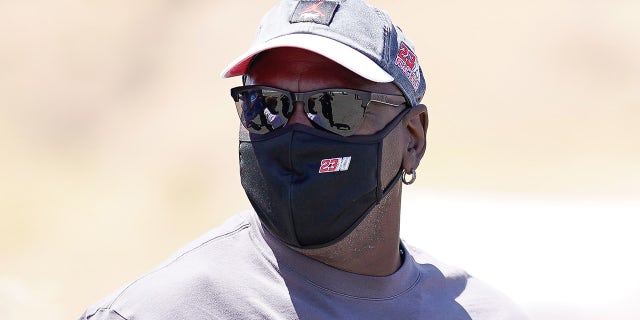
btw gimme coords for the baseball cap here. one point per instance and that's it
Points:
(352, 33)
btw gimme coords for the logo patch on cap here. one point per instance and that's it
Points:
(319, 11)
(407, 61)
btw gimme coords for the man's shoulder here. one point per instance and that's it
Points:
(480, 300)
(449, 272)
(205, 264)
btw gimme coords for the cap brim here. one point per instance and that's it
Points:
(334, 50)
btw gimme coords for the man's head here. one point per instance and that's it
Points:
(347, 124)
(361, 38)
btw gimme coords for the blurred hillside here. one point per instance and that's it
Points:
(119, 136)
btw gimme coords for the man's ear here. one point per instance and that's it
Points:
(416, 122)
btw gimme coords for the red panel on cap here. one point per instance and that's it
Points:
(239, 69)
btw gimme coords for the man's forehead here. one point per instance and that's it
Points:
(293, 64)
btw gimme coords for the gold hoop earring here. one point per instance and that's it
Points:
(413, 177)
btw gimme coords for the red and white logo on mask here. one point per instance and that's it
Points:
(334, 164)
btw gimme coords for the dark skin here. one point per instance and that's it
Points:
(372, 247)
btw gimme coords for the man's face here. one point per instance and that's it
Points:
(299, 70)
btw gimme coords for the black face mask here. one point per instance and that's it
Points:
(311, 188)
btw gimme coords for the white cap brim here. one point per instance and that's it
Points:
(334, 50)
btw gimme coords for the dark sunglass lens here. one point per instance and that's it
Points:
(340, 112)
(287, 107)
(263, 110)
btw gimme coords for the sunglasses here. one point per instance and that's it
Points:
(340, 111)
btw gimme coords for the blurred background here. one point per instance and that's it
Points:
(119, 145)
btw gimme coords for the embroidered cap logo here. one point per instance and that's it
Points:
(312, 11)
(319, 11)
(407, 61)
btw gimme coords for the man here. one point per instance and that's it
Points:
(323, 239)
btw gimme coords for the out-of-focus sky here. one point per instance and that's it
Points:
(119, 145)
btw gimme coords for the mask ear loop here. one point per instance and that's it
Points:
(413, 174)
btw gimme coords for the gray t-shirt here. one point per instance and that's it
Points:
(240, 271)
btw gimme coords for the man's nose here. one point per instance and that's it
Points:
(299, 115)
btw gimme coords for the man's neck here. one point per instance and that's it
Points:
(373, 247)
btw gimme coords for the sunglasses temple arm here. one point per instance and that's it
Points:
(384, 99)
